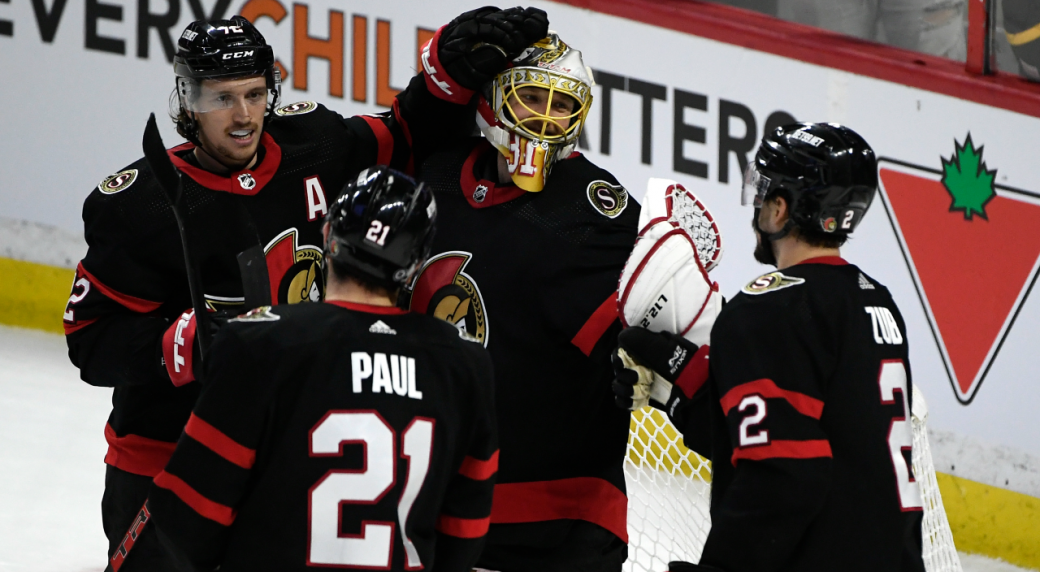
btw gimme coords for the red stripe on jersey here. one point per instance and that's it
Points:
(136, 454)
(139, 305)
(830, 260)
(809, 406)
(384, 139)
(215, 440)
(479, 470)
(438, 82)
(221, 514)
(581, 498)
(693, 376)
(784, 450)
(462, 527)
(79, 325)
(597, 325)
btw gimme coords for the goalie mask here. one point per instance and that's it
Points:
(534, 111)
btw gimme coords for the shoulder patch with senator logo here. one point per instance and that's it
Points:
(298, 108)
(112, 184)
(608, 199)
(261, 314)
(771, 282)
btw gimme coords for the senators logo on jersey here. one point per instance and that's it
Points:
(444, 291)
(295, 270)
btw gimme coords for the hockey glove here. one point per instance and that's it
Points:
(477, 45)
(180, 348)
(660, 369)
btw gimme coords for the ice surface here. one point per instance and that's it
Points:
(52, 450)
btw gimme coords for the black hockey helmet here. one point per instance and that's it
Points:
(381, 227)
(828, 171)
(220, 49)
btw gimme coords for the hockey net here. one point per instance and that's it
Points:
(669, 489)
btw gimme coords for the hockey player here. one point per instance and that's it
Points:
(255, 174)
(531, 241)
(347, 434)
(805, 406)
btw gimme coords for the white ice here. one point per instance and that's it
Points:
(52, 471)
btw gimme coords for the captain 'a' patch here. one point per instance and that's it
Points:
(112, 184)
(770, 283)
(610, 200)
(298, 108)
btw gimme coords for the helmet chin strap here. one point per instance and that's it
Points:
(775, 236)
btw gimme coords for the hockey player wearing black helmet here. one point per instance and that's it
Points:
(256, 175)
(316, 393)
(227, 89)
(804, 402)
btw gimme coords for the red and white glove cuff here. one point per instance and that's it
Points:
(438, 81)
(693, 376)
(178, 348)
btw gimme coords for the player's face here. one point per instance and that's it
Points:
(530, 104)
(231, 117)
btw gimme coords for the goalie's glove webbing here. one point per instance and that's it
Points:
(660, 369)
(477, 45)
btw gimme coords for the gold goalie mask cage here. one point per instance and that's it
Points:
(552, 65)
(533, 137)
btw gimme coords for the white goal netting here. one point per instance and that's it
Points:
(669, 489)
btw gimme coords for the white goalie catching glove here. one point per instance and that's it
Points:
(665, 288)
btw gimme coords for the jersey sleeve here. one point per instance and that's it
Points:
(417, 125)
(193, 501)
(581, 298)
(768, 368)
(466, 512)
(112, 321)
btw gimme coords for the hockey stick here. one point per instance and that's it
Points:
(117, 558)
(256, 282)
(170, 181)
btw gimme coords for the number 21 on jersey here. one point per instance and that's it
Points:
(374, 546)
(892, 377)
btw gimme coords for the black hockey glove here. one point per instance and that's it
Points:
(660, 369)
(477, 45)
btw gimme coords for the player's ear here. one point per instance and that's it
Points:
(325, 233)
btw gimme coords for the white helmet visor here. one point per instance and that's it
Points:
(215, 94)
(756, 185)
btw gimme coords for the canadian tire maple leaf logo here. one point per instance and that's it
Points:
(972, 276)
(968, 181)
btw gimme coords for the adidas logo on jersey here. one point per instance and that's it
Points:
(381, 328)
(864, 283)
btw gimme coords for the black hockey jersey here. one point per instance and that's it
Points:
(334, 435)
(132, 282)
(534, 277)
(811, 430)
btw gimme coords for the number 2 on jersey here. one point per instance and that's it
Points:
(367, 486)
(900, 433)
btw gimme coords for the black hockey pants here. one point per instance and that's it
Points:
(124, 494)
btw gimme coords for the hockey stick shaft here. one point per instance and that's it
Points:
(170, 181)
(117, 558)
